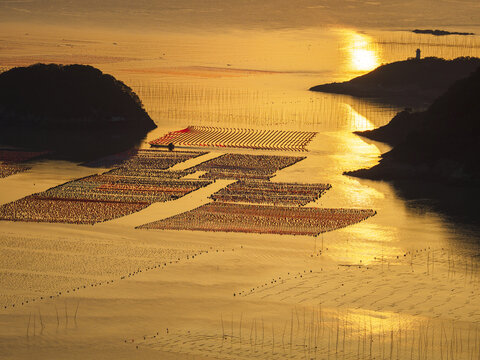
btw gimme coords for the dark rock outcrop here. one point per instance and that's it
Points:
(74, 110)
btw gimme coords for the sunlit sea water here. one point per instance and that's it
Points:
(216, 88)
(259, 78)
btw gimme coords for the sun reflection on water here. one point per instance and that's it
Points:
(369, 323)
(363, 59)
(362, 54)
(359, 122)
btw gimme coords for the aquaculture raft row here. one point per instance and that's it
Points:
(267, 192)
(262, 219)
(119, 192)
(237, 138)
(240, 166)
(9, 169)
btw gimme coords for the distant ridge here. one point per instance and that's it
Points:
(413, 82)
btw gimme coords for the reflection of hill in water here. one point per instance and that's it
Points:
(457, 205)
(75, 145)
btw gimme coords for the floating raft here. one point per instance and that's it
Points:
(237, 138)
(141, 181)
(267, 192)
(262, 219)
(243, 166)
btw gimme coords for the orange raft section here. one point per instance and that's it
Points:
(237, 138)
(262, 219)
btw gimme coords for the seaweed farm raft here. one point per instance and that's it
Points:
(267, 192)
(237, 138)
(262, 219)
(97, 198)
(240, 166)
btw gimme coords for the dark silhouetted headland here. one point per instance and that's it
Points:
(397, 130)
(440, 32)
(74, 110)
(413, 82)
(441, 143)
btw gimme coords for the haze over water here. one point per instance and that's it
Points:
(241, 64)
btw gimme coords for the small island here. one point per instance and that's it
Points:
(76, 111)
(414, 82)
(439, 144)
(437, 32)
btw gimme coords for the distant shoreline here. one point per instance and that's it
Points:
(437, 32)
